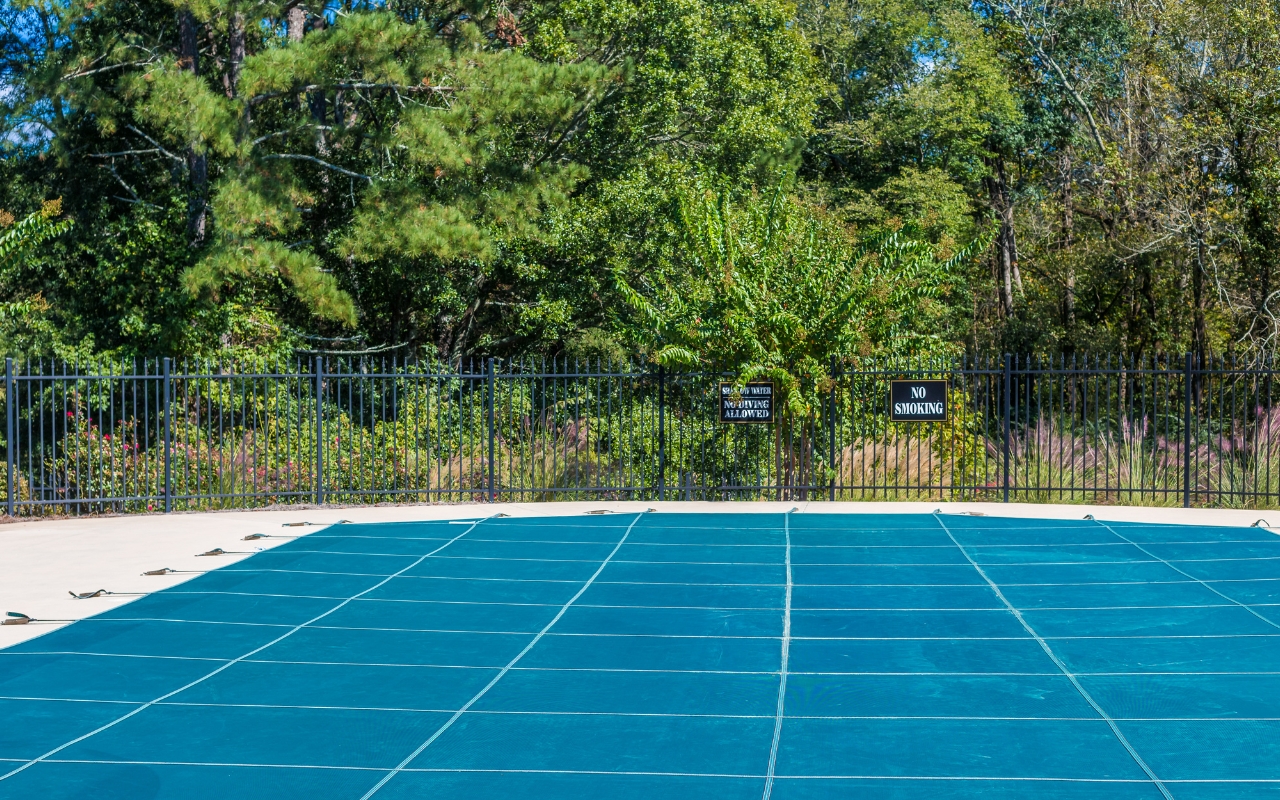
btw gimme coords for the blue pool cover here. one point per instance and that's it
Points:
(666, 655)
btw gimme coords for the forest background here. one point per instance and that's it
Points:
(763, 182)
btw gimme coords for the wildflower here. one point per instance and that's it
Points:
(106, 437)
(151, 506)
(71, 414)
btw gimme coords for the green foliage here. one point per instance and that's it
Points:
(412, 150)
(773, 289)
(920, 91)
(466, 178)
(724, 83)
(246, 258)
(19, 240)
(24, 317)
(721, 88)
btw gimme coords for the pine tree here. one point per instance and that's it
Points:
(319, 150)
(374, 138)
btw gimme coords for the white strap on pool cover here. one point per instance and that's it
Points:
(782, 673)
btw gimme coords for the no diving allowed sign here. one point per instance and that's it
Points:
(751, 403)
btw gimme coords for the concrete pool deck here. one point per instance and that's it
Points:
(43, 561)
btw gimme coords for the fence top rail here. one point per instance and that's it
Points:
(507, 375)
(483, 369)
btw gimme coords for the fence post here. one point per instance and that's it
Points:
(1186, 430)
(168, 435)
(831, 430)
(8, 436)
(319, 430)
(662, 433)
(489, 376)
(1008, 401)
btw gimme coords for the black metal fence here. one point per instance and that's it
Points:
(164, 436)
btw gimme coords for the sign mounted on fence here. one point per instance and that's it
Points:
(753, 403)
(918, 401)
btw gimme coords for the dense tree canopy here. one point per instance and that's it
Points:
(639, 177)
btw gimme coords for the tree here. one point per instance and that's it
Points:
(720, 88)
(424, 170)
(771, 288)
(376, 156)
(23, 318)
(922, 127)
(18, 241)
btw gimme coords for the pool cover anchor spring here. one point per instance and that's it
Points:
(17, 618)
(103, 593)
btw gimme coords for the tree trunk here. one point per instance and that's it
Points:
(295, 21)
(1199, 330)
(1068, 241)
(235, 56)
(319, 113)
(197, 162)
(1006, 254)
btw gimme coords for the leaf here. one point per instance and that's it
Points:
(20, 241)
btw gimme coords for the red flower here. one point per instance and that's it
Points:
(71, 413)
(106, 437)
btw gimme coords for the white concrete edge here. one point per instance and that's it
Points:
(41, 561)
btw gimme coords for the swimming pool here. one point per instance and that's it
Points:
(675, 655)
